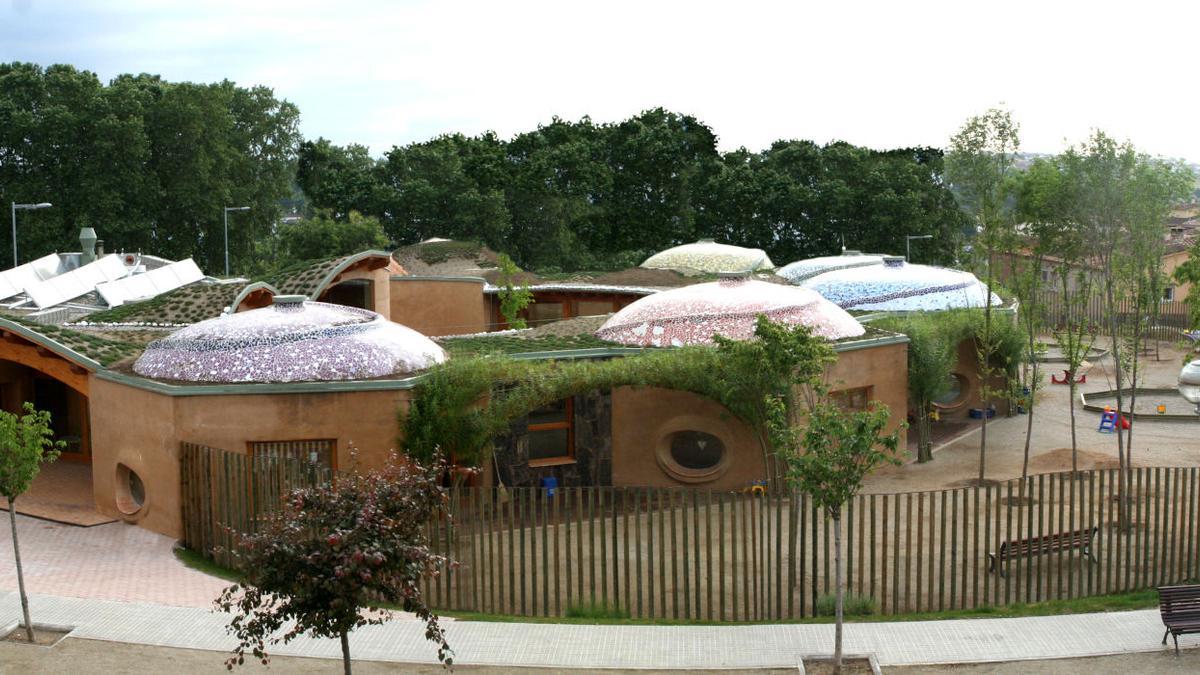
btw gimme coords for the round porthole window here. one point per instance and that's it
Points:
(955, 394)
(696, 450)
(131, 491)
(692, 456)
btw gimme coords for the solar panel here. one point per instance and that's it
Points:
(155, 282)
(17, 279)
(77, 282)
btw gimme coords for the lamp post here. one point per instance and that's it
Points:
(24, 207)
(227, 210)
(1189, 383)
(908, 243)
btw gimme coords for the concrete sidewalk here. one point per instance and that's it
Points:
(666, 647)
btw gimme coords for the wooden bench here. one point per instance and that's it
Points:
(1049, 543)
(1180, 609)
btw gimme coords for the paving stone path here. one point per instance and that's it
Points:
(682, 647)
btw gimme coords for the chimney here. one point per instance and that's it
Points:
(99, 248)
(87, 242)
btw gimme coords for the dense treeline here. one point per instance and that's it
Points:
(581, 195)
(150, 164)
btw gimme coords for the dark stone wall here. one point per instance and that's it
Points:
(593, 448)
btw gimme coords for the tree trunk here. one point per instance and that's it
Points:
(1074, 440)
(985, 363)
(12, 519)
(838, 597)
(1123, 487)
(346, 652)
(924, 445)
(1029, 415)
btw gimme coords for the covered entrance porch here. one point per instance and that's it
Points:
(29, 372)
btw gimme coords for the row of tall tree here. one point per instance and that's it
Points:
(1090, 221)
(150, 164)
(582, 195)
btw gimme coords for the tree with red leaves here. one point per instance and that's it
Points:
(334, 555)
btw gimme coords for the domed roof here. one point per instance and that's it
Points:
(708, 257)
(897, 286)
(730, 307)
(292, 340)
(806, 269)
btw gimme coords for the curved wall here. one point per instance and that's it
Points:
(147, 440)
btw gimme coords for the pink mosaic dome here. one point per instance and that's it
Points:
(691, 315)
(292, 340)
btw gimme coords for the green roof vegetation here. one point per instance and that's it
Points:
(189, 304)
(436, 252)
(510, 344)
(104, 350)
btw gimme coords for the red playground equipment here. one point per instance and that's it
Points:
(1066, 378)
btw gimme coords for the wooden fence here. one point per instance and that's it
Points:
(223, 491)
(722, 556)
(1172, 316)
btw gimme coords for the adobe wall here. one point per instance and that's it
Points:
(147, 439)
(380, 285)
(643, 419)
(883, 368)
(967, 365)
(366, 420)
(433, 306)
(136, 428)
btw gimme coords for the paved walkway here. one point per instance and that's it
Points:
(115, 561)
(585, 646)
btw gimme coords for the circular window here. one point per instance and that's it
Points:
(131, 491)
(696, 450)
(955, 393)
(692, 456)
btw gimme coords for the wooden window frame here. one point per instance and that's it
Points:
(569, 424)
(333, 451)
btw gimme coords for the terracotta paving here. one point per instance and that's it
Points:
(115, 561)
(62, 492)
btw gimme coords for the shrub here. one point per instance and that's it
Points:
(855, 605)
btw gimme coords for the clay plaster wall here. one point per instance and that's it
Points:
(143, 430)
(439, 306)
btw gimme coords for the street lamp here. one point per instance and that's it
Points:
(25, 207)
(1189, 383)
(908, 243)
(227, 210)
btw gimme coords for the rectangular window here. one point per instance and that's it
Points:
(543, 312)
(1169, 294)
(551, 434)
(852, 400)
(595, 307)
(321, 452)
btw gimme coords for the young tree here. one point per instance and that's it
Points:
(1122, 200)
(25, 442)
(326, 561)
(513, 298)
(931, 359)
(979, 166)
(828, 460)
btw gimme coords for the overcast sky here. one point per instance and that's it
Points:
(880, 74)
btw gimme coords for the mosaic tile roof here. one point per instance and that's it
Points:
(802, 270)
(708, 257)
(290, 341)
(897, 286)
(729, 307)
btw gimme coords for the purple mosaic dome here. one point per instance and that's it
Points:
(730, 307)
(293, 340)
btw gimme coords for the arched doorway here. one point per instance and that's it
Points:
(38, 374)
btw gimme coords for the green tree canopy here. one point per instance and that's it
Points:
(149, 163)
